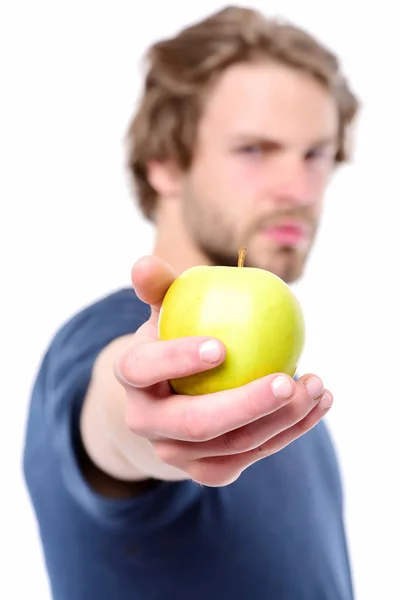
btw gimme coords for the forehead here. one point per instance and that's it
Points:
(271, 99)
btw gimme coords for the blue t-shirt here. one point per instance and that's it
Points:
(277, 533)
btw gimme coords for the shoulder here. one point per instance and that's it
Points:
(68, 360)
(65, 369)
(88, 331)
(119, 312)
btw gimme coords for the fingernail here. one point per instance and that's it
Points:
(119, 375)
(210, 351)
(326, 401)
(314, 386)
(281, 387)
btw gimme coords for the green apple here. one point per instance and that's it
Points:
(252, 311)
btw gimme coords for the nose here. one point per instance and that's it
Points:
(290, 183)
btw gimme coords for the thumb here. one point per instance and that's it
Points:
(151, 277)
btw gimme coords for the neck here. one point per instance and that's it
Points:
(173, 243)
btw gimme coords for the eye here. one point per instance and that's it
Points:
(319, 154)
(313, 154)
(250, 150)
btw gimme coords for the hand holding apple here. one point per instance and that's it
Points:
(252, 311)
(208, 438)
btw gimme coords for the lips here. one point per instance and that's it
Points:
(289, 233)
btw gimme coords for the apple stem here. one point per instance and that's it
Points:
(242, 254)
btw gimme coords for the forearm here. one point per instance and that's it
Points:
(108, 442)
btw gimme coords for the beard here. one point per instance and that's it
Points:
(219, 237)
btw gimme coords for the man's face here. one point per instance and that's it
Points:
(265, 153)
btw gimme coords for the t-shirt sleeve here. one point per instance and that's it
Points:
(52, 436)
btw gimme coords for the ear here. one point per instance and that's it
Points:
(165, 177)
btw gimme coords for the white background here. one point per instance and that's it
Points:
(70, 233)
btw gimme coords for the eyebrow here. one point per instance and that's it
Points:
(272, 144)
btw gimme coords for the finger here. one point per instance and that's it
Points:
(250, 436)
(151, 277)
(221, 470)
(288, 436)
(145, 364)
(202, 418)
(309, 392)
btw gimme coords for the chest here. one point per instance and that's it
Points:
(275, 533)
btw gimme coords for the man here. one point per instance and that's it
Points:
(143, 493)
